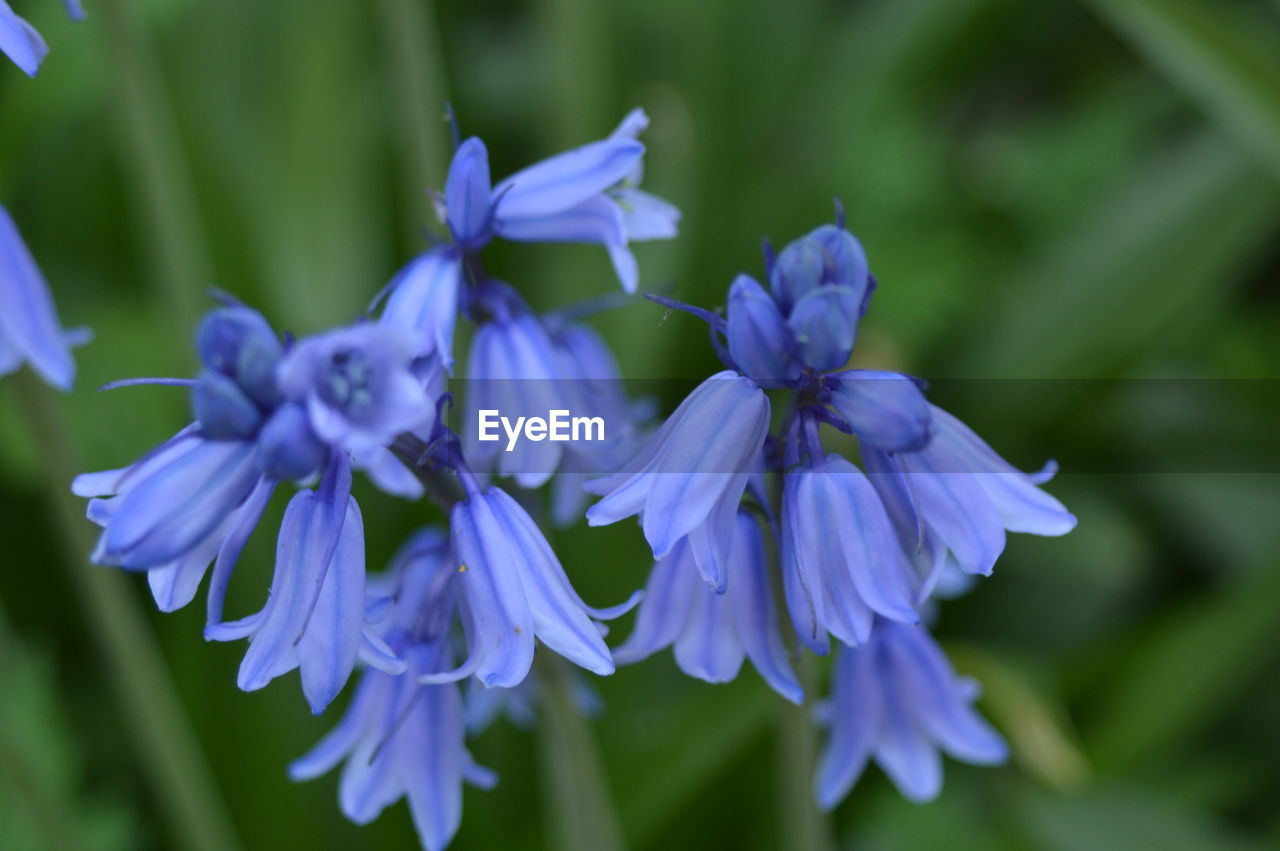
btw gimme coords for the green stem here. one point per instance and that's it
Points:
(419, 87)
(151, 154)
(167, 749)
(582, 810)
(804, 827)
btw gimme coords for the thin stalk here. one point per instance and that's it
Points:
(583, 816)
(167, 749)
(419, 90)
(804, 827)
(151, 154)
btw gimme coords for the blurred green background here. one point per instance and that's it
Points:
(1046, 190)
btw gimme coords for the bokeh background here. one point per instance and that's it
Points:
(1046, 190)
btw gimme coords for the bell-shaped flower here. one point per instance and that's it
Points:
(29, 328)
(422, 302)
(582, 195)
(690, 478)
(885, 409)
(841, 561)
(20, 41)
(514, 372)
(964, 495)
(593, 388)
(897, 700)
(713, 633)
(399, 737)
(171, 502)
(314, 618)
(761, 344)
(515, 590)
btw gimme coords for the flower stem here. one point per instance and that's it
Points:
(151, 154)
(148, 703)
(582, 810)
(803, 826)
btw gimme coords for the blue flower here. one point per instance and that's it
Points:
(897, 700)
(593, 387)
(29, 328)
(422, 302)
(314, 618)
(822, 283)
(713, 633)
(357, 385)
(514, 369)
(760, 342)
(583, 195)
(884, 409)
(515, 590)
(841, 562)
(401, 738)
(20, 41)
(956, 491)
(690, 479)
(170, 502)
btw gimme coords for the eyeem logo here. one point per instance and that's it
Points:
(558, 427)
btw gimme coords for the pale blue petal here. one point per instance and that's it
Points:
(751, 597)
(885, 409)
(709, 648)
(468, 194)
(333, 633)
(669, 594)
(423, 302)
(20, 42)
(566, 180)
(825, 324)
(28, 319)
(856, 711)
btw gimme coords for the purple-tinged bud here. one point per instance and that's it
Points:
(797, 271)
(287, 447)
(224, 334)
(825, 324)
(885, 409)
(760, 342)
(222, 408)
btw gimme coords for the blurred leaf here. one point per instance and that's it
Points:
(42, 802)
(1119, 818)
(1219, 61)
(1188, 668)
(1168, 242)
(1035, 726)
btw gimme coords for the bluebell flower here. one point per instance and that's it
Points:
(514, 369)
(583, 195)
(399, 737)
(822, 283)
(29, 327)
(841, 561)
(761, 343)
(713, 633)
(594, 387)
(20, 41)
(960, 497)
(515, 590)
(886, 410)
(170, 502)
(422, 302)
(690, 478)
(358, 386)
(897, 700)
(314, 618)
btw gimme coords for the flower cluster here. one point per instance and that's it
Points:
(861, 552)
(268, 409)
